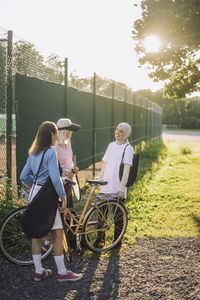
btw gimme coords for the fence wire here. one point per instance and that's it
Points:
(3, 95)
(27, 59)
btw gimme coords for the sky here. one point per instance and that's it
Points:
(95, 35)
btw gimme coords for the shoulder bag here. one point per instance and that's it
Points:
(39, 216)
(133, 169)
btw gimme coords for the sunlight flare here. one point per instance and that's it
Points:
(152, 43)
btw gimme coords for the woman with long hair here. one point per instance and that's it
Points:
(64, 152)
(45, 138)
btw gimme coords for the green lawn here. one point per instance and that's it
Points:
(165, 201)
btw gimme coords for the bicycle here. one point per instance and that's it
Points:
(15, 245)
(105, 219)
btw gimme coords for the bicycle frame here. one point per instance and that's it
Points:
(80, 222)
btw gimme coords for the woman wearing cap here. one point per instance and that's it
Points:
(111, 163)
(46, 137)
(64, 152)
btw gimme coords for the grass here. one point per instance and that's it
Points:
(165, 200)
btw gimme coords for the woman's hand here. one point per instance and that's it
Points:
(68, 174)
(121, 194)
(64, 204)
(76, 170)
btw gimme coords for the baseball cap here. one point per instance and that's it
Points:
(66, 124)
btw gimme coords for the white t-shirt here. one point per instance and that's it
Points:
(113, 158)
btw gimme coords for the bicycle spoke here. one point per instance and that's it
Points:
(15, 245)
(110, 218)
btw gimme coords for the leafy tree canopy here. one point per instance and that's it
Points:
(29, 61)
(176, 23)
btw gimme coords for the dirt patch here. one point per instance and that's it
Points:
(151, 269)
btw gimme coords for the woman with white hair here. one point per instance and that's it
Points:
(110, 170)
(112, 159)
(65, 154)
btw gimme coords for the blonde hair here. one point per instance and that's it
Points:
(43, 137)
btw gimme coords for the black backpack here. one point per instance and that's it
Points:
(133, 169)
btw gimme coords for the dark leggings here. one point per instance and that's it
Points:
(68, 191)
(118, 223)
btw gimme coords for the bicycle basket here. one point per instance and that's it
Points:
(25, 190)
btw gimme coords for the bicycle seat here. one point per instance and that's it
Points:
(101, 182)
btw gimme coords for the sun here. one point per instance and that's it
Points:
(152, 43)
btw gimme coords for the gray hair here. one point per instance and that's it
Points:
(127, 129)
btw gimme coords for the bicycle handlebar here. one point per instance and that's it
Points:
(101, 182)
(67, 180)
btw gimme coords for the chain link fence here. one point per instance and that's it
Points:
(23, 57)
(18, 56)
(3, 92)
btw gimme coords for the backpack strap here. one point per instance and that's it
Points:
(124, 152)
(36, 176)
(30, 195)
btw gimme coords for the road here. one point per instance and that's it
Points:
(189, 136)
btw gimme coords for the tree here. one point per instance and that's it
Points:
(29, 61)
(104, 86)
(55, 68)
(184, 114)
(176, 23)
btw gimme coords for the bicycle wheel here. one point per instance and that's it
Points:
(15, 245)
(105, 223)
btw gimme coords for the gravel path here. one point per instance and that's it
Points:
(151, 269)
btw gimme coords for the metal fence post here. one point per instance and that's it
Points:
(125, 99)
(9, 103)
(66, 88)
(9, 107)
(94, 127)
(112, 109)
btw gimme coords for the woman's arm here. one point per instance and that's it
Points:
(102, 170)
(26, 175)
(55, 174)
(124, 180)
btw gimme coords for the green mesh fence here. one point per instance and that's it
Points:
(35, 88)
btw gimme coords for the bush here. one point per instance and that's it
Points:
(9, 199)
